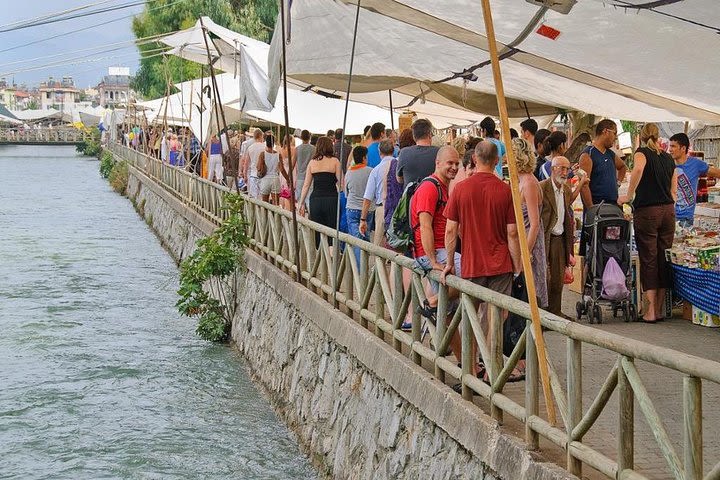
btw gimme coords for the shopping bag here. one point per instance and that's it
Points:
(613, 281)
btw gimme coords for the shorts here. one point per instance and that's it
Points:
(441, 256)
(498, 283)
(270, 184)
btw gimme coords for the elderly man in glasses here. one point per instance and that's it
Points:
(557, 219)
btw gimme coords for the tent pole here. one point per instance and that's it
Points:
(218, 102)
(687, 127)
(291, 178)
(336, 245)
(524, 252)
(392, 112)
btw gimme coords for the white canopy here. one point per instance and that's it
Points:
(230, 52)
(623, 59)
(37, 114)
(307, 110)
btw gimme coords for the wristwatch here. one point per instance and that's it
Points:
(363, 219)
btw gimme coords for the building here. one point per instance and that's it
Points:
(7, 95)
(60, 95)
(114, 89)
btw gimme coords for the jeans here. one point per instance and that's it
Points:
(353, 225)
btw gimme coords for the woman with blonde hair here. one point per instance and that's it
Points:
(531, 198)
(653, 184)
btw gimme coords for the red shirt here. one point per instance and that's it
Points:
(425, 199)
(483, 207)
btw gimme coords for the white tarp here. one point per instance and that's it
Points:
(230, 52)
(37, 114)
(621, 59)
(190, 45)
(178, 110)
(307, 110)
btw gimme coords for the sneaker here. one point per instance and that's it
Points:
(406, 327)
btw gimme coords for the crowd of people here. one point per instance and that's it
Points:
(460, 210)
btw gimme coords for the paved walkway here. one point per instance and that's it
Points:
(663, 385)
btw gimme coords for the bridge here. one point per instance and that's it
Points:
(627, 408)
(43, 136)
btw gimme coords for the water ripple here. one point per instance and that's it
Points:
(100, 378)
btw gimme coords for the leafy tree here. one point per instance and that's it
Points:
(254, 18)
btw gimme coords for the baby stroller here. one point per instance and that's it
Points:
(607, 235)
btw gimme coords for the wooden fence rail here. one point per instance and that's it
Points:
(372, 292)
(43, 136)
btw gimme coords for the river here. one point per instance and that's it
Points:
(99, 375)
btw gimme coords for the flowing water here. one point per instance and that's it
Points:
(99, 375)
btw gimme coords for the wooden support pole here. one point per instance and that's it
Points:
(574, 399)
(693, 443)
(524, 251)
(532, 438)
(626, 423)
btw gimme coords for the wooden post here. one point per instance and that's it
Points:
(467, 356)
(532, 438)
(525, 253)
(626, 423)
(693, 440)
(574, 399)
(494, 365)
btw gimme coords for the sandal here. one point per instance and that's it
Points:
(517, 375)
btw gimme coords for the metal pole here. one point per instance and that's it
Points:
(392, 113)
(524, 252)
(291, 179)
(336, 245)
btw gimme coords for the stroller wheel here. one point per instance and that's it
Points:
(579, 310)
(597, 314)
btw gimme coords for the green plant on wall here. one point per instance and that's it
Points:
(208, 277)
(91, 146)
(107, 162)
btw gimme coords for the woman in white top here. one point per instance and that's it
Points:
(271, 162)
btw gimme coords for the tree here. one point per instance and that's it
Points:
(254, 18)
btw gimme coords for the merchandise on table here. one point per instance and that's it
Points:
(696, 249)
(705, 319)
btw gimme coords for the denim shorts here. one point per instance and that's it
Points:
(441, 256)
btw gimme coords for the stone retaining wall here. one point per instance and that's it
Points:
(359, 408)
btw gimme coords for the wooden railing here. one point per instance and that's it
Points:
(33, 136)
(380, 301)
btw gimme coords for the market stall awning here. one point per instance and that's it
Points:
(634, 60)
(229, 51)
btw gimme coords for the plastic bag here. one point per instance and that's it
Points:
(569, 276)
(613, 281)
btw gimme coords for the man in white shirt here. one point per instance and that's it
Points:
(557, 218)
(249, 162)
(375, 192)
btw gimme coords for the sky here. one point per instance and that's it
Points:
(71, 46)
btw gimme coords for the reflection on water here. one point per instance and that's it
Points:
(99, 376)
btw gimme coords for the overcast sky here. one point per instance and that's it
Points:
(85, 74)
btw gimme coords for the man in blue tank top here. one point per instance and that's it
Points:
(603, 166)
(604, 169)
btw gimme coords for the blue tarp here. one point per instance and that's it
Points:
(699, 287)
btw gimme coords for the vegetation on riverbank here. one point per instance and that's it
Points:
(91, 147)
(208, 277)
(116, 172)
